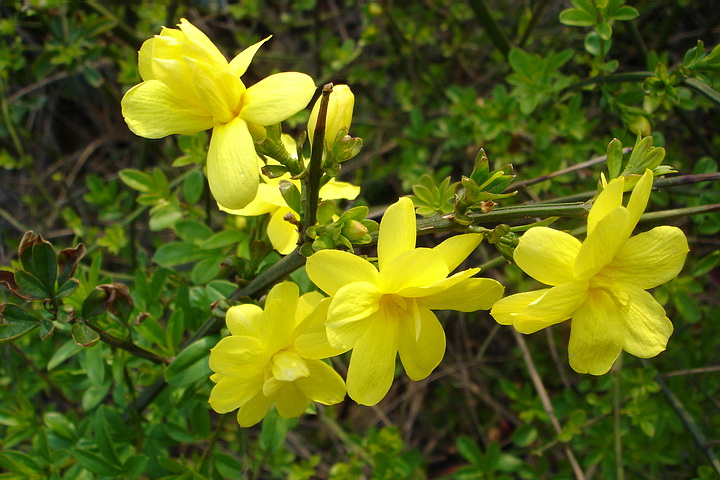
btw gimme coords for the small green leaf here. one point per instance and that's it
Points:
(604, 29)
(291, 195)
(95, 303)
(18, 322)
(206, 270)
(47, 327)
(614, 158)
(84, 335)
(67, 288)
(177, 253)
(95, 463)
(192, 363)
(193, 187)
(31, 285)
(137, 180)
(469, 449)
(576, 18)
(223, 239)
(624, 13)
(192, 231)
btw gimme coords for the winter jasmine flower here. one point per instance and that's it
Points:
(272, 356)
(380, 312)
(600, 283)
(188, 86)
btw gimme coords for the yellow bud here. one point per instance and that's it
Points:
(339, 114)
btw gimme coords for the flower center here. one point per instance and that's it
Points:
(604, 281)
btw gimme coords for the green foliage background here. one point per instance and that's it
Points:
(434, 82)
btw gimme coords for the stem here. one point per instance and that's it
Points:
(534, 17)
(687, 420)
(484, 16)
(125, 345)
(545, 399)
(619, 470)
(312, 181)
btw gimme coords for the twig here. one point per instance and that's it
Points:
(545, 399)
(687, 420)
(484, 16)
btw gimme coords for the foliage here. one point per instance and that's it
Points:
(110, 310)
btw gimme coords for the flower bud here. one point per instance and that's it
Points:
(354, 230)
(339, 113)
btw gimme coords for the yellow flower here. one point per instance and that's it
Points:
(283, 234)
(273, 356)
(381, 313)
(339, 114)
(600, 283)
(188, 86)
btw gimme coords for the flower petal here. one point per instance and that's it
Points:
(219, 91)
(468, 295)
(145, 60)
(418, 267)
(600, 247)
(456, 249)
(372, 364)
(230, 393)
(547, 255)
(288, 366)
(198, 45)
(235, 356)
(639, 199)
(596, 335)
(334, 190)
(312, 340)
(647, 329)
(290, 401)
(350, 305)
(282, 234)
(397, 231)
(323, 385)
(421, 353)
(506, 310)
(555, 305)
(267, 200)
(241, 62)
(151, 111)
(650, 258)
(231, 166)
(608, 200)
(277, 97)
(243, 319)
(332, 269)
(438, 288)
(254, 410)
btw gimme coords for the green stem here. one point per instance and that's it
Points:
(534, 17)
(315, 171)
(617, 407)
(125, 345)
(484, 16)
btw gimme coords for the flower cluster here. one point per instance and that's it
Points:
(379, 310)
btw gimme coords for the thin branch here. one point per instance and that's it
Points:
(545, 399)
(496, 34)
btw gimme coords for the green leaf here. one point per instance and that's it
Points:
(63, 353)
(604, 29)
(94, 395)
(223, 239)
(274, 430)
(206, 270)
(104, 442)
(44, 265)
(95, 463)
(47, 327)
(193, 187)
(59, 424)
(192, 363)
(705, 265)
(576, 18)
(624, 13)
(614, 158)
(18, 322)
(228, 467)
(523, 63)
(178, 253)
(191, 231)
(290, 194)
(134, 466)
(31, 285)
(164, 216)
(84, 335)
(68, 288)
(19, 462)
(95, 303)
(469, 449)
(137, 180)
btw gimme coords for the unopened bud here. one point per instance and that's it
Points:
(339, 113)
(354, 230)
